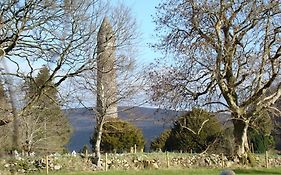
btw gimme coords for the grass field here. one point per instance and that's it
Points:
(271, 171)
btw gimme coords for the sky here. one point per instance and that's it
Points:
(143, 10)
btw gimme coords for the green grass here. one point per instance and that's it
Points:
(259, 171)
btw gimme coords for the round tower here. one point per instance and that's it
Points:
(106, 71)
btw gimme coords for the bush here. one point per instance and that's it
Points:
(195, 131)
(259, 133)
(158, 144)
(120, 136)
(84, 149)
(261, 142)
(226, 143)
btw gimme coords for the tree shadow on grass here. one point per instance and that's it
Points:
(268, 172)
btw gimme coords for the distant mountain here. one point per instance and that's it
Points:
(150, 120)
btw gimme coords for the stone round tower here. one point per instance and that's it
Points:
(106, 71)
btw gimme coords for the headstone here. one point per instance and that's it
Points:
(32, 154)
(16, 153)
(57, 167)
(57, 154)
(227, 172)
(73, 153)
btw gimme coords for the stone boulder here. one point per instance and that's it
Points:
(227, 172)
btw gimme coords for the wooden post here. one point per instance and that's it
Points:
(105, 161)
(266, 159)
(253, 150)
(167, 160)
(135, 148)
(86, 154)
(47, 165)
(222, 160)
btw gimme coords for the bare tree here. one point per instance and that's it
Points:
(226, 56)
(59, 34)
(114, 80)
(54, 33)
(62, 35)
(43, 125)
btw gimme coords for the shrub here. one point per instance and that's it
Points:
(195, 131)
(261, 142)
(259, 133)
(226, 143)
(84, 149)
(159, 142)
(120, 136)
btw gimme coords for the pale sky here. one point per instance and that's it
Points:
(143, 10)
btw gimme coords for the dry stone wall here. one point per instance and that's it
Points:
(130, 161)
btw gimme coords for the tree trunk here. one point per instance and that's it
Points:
(97, 158)
(241, 139)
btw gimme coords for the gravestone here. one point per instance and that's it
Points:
(227, 172)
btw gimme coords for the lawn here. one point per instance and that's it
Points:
(272, 171)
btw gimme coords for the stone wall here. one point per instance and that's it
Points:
(177, 160)
(79, 162)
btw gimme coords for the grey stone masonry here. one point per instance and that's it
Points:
(106, 72)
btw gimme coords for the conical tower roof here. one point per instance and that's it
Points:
(105, 28)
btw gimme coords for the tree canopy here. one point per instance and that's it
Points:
(226, 56)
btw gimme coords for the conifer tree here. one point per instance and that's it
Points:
(5, 120)
(44, 126)
(4, 106)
